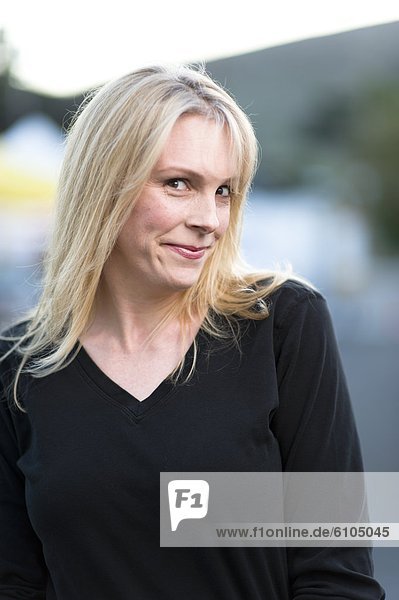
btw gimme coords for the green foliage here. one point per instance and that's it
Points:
(375, 139)
(364, 130)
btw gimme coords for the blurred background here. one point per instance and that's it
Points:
(321, 87)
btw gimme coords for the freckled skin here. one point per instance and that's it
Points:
(186, 202)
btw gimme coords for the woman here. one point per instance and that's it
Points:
(153, 349)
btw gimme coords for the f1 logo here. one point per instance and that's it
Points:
(188, 499)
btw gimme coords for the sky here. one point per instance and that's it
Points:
(66, 47)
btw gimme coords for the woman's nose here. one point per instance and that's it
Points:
(203, 213)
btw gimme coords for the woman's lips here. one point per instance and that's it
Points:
(190, 252)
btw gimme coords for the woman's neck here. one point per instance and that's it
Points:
(128, 319)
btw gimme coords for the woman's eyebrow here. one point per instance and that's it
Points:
(181, 170)
(176, 169)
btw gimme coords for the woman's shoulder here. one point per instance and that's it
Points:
(295, 290)
(302, 317)
(275, 294)
(287, 288)
(293, 296)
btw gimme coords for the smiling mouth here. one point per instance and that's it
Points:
(190, 252)
(192, 248)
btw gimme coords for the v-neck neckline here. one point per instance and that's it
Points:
(113, 391)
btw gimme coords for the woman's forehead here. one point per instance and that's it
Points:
(200, 145)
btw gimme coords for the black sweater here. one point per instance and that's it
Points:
(79, 473)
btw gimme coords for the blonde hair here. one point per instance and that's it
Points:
(114, 142)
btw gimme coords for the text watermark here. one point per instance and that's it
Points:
(267, 509)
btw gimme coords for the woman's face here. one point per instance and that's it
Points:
(182, 212)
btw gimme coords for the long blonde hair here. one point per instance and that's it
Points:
(112, 146)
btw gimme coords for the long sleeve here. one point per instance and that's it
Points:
(22, 569)
(315, 428)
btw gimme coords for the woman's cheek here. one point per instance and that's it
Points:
(225, 221)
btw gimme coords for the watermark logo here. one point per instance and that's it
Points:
(282, 509)
(188, 499)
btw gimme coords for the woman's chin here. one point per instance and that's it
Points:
(181, 283)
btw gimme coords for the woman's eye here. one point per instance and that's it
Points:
(177, 184)
(224, 191)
